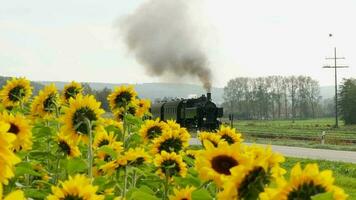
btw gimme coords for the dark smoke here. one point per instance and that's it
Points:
(164, 39)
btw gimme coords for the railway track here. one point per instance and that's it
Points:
(328, 139)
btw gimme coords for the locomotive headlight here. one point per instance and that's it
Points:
(204, 118)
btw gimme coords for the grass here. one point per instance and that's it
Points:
(344, 173)
(299, 143)
(311, 129)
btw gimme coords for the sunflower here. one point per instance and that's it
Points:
(77, 187)
(71, 90)
(216, 163)
(229, 135)
(170, 164)
(170, 141)
(15, 92)
(81, 110)
(172, 124)
(267, 159)
(18, 195)
(304, 184)
(121, 97)
(250, 179)
(192, 153)
(121, 112)
(137, 156)
(7, 158)
(182, 194)
(215, 139)
(46, 103)
(102, 138)
(152, 129)
(110, 167)
(67, 146)
(143, 106)
(20, 127)
(110, 122)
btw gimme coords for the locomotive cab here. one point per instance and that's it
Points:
(196, 113)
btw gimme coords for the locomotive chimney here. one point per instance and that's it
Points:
(208, 95)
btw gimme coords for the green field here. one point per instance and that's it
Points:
(344, 173)
(301, 130)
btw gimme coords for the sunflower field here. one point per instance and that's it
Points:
(59, 145)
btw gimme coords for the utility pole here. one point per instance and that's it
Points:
(335, 67)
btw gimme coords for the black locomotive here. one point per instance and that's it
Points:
(195, 114)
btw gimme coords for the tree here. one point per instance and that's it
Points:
(347, 101)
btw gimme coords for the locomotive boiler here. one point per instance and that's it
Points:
(194, 114)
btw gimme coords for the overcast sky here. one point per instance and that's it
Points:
(76, 39)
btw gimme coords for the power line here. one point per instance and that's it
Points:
(335, 66)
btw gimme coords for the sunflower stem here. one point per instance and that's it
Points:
(57, 168)
(134, 178)
(125, 183)
(166, 185)
(90, 148)
(48, 143)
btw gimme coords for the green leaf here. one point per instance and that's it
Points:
(323, 196)
(188, 180)
(41, 155)
(108, 151)
(76, 165)
(201, 194)
(134, 140)
(25, 168)
(35, 193)
(43, 131)
(139, 195)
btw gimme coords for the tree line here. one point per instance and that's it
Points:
(273, 97)
(347, 101)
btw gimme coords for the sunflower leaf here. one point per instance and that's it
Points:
(25, 168)
(201, 194)
(106, 149)
(35, 193)
(139, 194)
(76, 165)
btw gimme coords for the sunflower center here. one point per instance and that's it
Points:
(305, 191)
(79, 119)
(49, 104)
(103, 142)
(171, 145)
(16, 93)
(72, 197)
(131, 110)
(138, 161)
(14, 129)
(228, 139)
(107, 158)
(170, 167)
(222, 164)
(71, 92)
(123, 99)
(64, 147)
(154, 132)
(256, 179)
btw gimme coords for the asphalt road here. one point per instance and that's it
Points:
(298, 152)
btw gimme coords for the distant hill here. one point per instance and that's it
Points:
(158, 90)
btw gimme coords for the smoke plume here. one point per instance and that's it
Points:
(163, 38)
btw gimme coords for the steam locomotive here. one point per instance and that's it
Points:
(194, 114)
